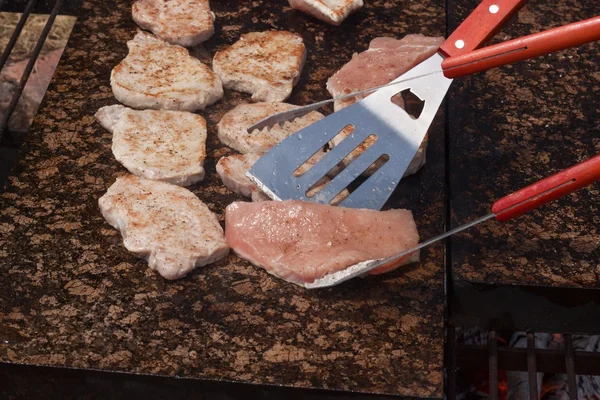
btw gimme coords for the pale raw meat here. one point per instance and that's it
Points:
(183, 22)
(264, 64)
(163, 145)
(330, 11)
(234, 124)
(232, 170)
(164, 224)
(159, 75)
(385, 60)
(300, 241)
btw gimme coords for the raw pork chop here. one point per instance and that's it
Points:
(265, 64)
(330, 11)
(183, 22)
(300, 242)
(164, 224)
(232, 170)
(162, 145)
(385, 60)
(233, 125)
(159, 75)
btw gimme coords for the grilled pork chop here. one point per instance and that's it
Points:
(159, 75)
(330, 11)
(232, 170)
(234, 124)
(183, 22)
(385, 60)
(162, 145)
(164, 224)
(300, 241)
(264, 64)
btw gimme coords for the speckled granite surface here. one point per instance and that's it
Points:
(512, 126)
(72, 296)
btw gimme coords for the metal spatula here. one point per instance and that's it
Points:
(505, 209)
(398, 135)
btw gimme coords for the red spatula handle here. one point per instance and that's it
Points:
(530, 46)
(479, 26)
(548, 189)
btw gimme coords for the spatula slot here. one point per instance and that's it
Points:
(359, 180)
(357, 151)
(409, 102)
(302, 169)
(338, 191)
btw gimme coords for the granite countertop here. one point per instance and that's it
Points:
(72, 296)
(512, 126)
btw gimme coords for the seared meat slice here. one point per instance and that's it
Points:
(162, 145)
(233, 125)
(385, 60)
(158, 75)
(232, 170)
(183, 22)
(264, 64)
(164, 224)
(300, 241)
(330, 11)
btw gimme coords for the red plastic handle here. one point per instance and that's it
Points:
(548, 189)
(479, 26)
(530, 46)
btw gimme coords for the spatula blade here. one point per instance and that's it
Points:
(398, 136)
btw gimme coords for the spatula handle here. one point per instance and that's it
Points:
(479, 26)
(548, 189)
(537, 44)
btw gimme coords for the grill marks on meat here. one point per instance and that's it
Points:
(161, 145)
(385, 60)
(300, 241)
(158, 75)
(234, 124)
(182, 22)
(264, 64)
(330, 11)
(164, 224)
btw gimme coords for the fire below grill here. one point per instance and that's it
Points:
(564, 359)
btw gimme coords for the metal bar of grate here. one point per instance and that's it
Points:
(531, 366)
(15, 36)
(451, 368)
(36, 51)
(515, 359)
(570, 365)
(493, 364)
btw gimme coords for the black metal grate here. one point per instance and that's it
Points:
(17, 111)
(33, 58)
(532, 360)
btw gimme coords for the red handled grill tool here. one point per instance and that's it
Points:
(505, 209)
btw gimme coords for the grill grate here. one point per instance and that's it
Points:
(531, 359)
(33, 58)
